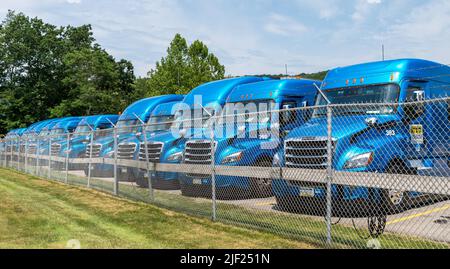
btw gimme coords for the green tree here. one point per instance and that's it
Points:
(92, 79)
(183, 68)
(48, 71)
(31, 54)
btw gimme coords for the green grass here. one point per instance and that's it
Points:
(291, 226)
(36, 213)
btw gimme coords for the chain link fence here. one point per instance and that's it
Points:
(363, 175)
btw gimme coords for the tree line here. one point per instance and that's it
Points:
(51, 71)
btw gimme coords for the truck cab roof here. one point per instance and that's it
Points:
(16, 132)
(272, 89)
(37, 127)
(164, 109)
(97, 120)
(144, 107)
(218, 91)
(52, 124)
(68, 124)
(392, 71)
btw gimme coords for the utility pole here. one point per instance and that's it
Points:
(382, 52)
(285, 68)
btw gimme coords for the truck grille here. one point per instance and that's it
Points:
(126, 151)
(307, 153)
(197, 152)
(95, 150)
(154, 151)
(55, 148)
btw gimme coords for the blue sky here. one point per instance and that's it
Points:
(259, 36)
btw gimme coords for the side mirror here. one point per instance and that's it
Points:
(182, 132)
(419, 96)
(371, 121)
(287, 114)
(414, 110)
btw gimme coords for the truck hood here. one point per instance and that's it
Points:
(131, 139)
(342, 126)
(110, 139)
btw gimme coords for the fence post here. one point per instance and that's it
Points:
(213, 172)
(26, 154)
(147, 160)
(4, 143)
(11, 154)
(38, 154)
(91, 144)
(50, 157)
(66, 178)
(116, 180)
(18, 153)
(2, 151)
(329, 171)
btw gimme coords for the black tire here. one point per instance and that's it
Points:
(396, 201)
(262, 187)
(86, 171)
(142, 182)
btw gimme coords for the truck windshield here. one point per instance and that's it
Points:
(127, 126)
(198, 118)
(160, 123)
(57, 131)
(44, 132)
(387, 93)
(250, 111)
(82, 130)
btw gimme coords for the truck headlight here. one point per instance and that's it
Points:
(175, 157)
(235, 157)
(276, 160)
(359, 160)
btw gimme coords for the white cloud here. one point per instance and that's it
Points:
(363, 8)
(425, 22)
(308, 35)
(74, 1)
(325, 9)
(283, 25)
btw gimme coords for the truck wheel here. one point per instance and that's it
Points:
(396, 201)
(142, 182)
(262, 187)
(86, 171)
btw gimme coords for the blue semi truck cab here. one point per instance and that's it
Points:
(400, 136)
(13, 142)
(81, 135)
(128, 125)
(32, 134)
(54, 133)
(167, 147)
(159, 122)
(249, 132)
